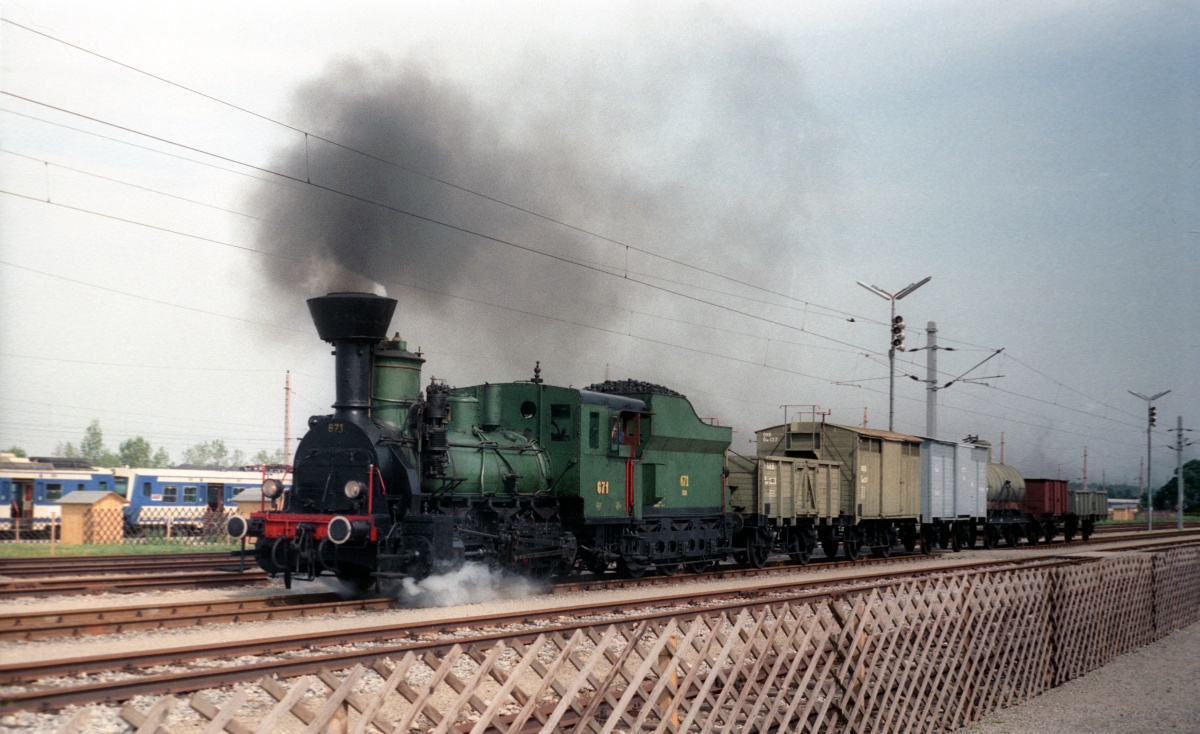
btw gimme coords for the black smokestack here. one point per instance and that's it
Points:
(353, 323)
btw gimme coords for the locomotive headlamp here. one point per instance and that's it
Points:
(353, 488)
(272, 488)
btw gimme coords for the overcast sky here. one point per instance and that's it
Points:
(682, 193)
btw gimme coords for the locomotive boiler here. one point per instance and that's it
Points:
(398, 482)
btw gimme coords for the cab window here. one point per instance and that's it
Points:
(594, 430)
(560, 422)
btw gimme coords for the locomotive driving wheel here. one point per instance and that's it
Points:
(632, 569)
(357, 578)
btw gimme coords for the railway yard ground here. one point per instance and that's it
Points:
(1154, 688)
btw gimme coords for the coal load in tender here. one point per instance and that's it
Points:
(626, 387)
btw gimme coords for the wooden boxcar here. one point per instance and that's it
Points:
(880, 485)
(794, 496)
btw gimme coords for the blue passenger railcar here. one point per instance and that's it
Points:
(181, 497)
(30, 488)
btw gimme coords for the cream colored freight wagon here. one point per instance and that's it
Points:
(879, 490)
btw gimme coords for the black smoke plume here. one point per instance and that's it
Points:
(691, 138)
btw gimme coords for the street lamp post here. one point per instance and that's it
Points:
(897, 342)
(1149, 427)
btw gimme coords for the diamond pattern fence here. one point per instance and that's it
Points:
(925, 655)
(109, 525)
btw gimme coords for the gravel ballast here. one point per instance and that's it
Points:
(1153, 690)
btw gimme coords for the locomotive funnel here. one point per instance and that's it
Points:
(353, 323)
(364, 316)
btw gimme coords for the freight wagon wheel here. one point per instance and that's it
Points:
(928, 540)
(991, 537)
(830, 548)
(1049, 530)
(1088, 528)
(908, 538)
(882, 551)
(972, 536)
(955, 538)
(800, 552)
(853, 547)
(1070, 528)
(753, 554)
(1010, 536)
(1031, 532)
(943, 539)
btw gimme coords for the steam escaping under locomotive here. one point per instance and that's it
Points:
(400, 483)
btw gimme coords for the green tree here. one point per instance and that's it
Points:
(16, 451)
(92, 445)
(269, 457)
(213, 453)
(135, 451)
(1166, 497)
(67, 451)
(161, 459)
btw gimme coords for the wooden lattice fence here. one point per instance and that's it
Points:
(922, 655)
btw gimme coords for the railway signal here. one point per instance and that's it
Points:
(898, 333)
(893, 297)
(1150, 419)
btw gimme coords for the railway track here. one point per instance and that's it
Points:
(83, 584)
(380, 641)
(129, 584)
(300, 654)
(115, 564)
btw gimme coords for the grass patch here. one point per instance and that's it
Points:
(42, 549)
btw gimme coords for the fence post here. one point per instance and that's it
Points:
(169, 519)
(53, 536)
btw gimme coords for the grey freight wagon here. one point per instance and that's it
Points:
(954, 492)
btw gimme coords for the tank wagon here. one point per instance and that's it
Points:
(875, 499)
(398, 482)
(1038, 509)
